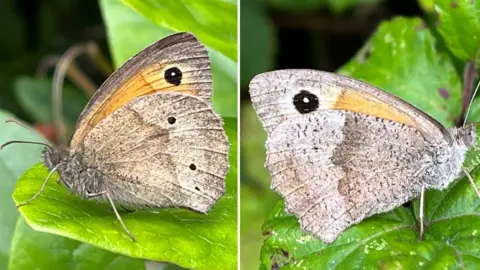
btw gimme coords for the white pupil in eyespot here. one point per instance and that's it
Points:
(306, 100)
(172, 74)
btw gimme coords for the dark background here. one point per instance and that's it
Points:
(36, 30)
(342, 36)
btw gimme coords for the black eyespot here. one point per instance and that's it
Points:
(197, 188)
(193, 167)
(173, 75)
(171, 120)
(305, 102)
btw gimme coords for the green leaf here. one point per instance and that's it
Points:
(214, 22)
(359, 246)
(35, 97)
(123, 23)
(14, 160)
(35, 250)
(459, 24)
(426, 5)
(402, 59)
(180, 236)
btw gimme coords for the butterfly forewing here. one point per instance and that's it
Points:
(177, 63)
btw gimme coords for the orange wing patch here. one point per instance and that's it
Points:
(147, 82)
(369, 105)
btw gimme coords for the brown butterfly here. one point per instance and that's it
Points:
(149, 137)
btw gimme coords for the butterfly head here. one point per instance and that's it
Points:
(51, 157)
(465, 136)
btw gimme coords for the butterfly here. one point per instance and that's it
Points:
(340, 150)
(149, 137)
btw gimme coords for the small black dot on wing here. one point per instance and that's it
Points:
(171, 120)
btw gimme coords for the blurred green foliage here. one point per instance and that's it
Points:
(411, 58)
(34, 96)
(35, 29)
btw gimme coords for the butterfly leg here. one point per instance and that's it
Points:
(41, 188)
(127, 209)
(422, 205)
(471, 182)
(91, 195)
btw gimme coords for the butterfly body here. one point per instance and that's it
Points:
(74, 173)
(335, 166)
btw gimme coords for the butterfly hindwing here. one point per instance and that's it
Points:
(171, 150)
(332, 174)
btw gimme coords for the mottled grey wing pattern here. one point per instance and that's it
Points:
(171, 150)
(332, 174)
(275, 90)
(329, 166)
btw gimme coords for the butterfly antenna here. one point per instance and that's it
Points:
(19, 141)
(470, 104)
(66, 62)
